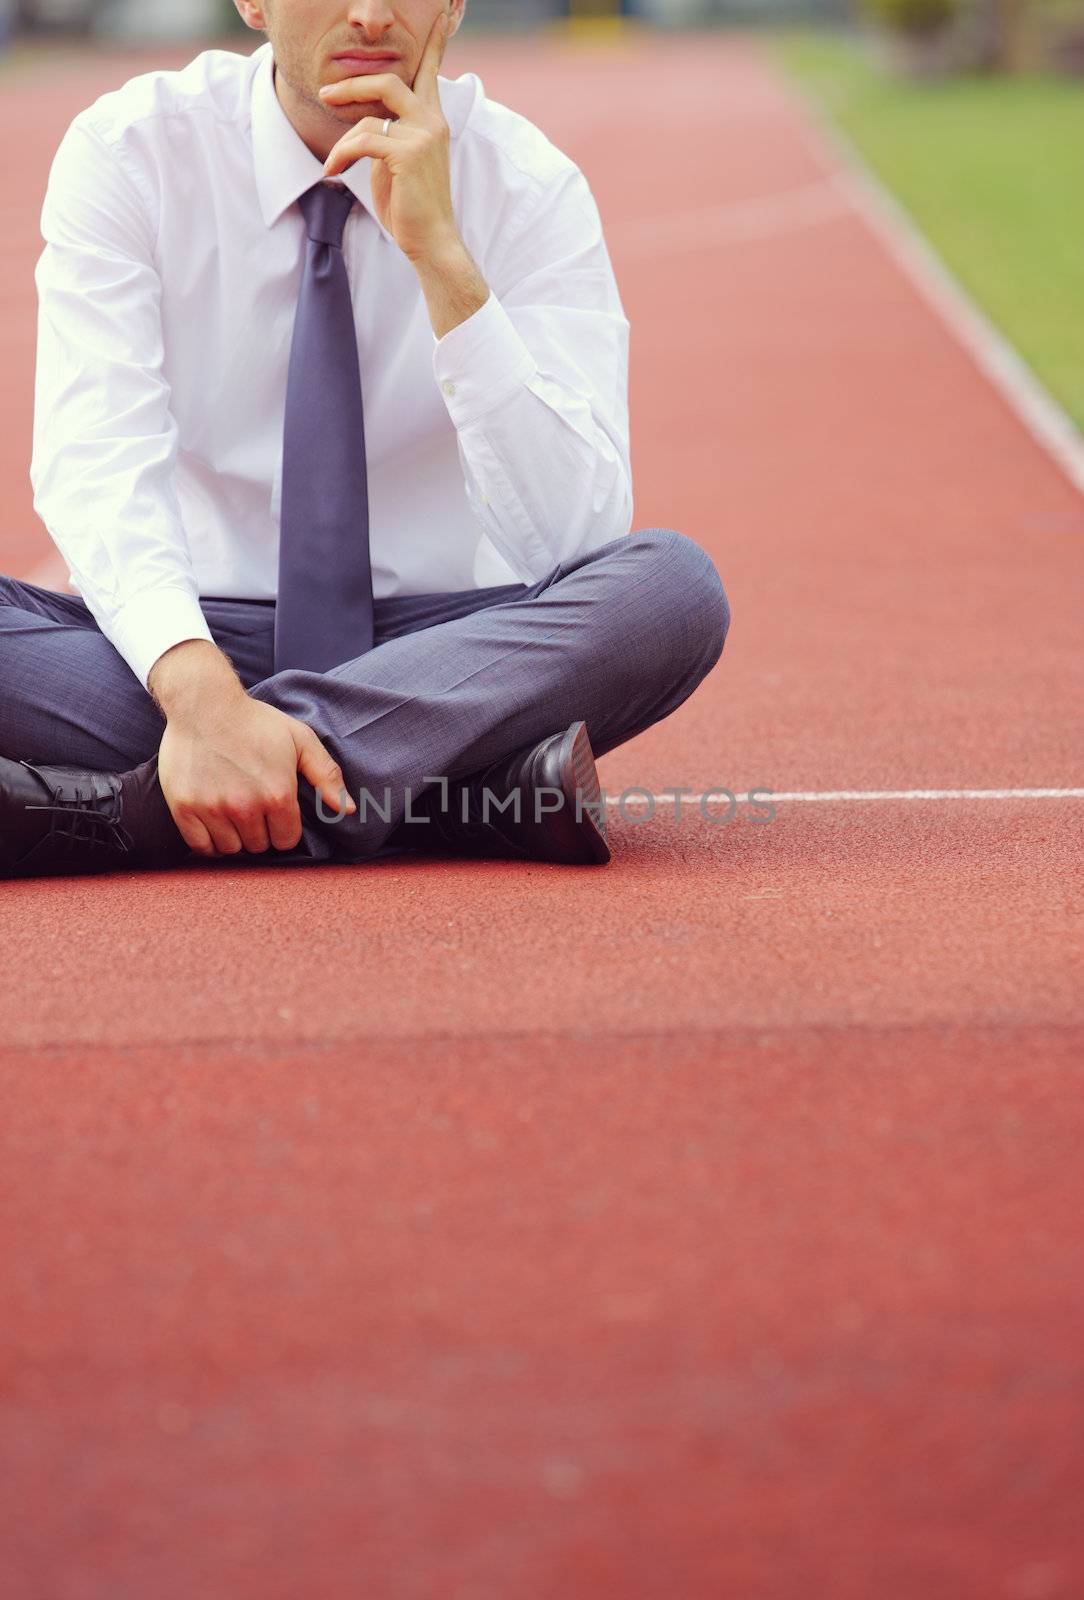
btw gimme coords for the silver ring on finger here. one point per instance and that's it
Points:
(387, 125)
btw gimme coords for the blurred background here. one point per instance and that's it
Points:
(970, 111)
(991, 34)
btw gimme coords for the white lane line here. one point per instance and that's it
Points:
(636, 796)
(1020, 386)
(761, 217)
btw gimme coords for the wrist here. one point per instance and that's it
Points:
(445, 254)
(453, 286)
(191, 675)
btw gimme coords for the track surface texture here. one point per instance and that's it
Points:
(705, 1225)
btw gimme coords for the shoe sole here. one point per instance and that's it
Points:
(579, 783)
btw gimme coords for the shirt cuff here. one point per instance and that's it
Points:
(479, 363)
(150, 623)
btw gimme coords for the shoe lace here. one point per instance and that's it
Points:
(87, 819)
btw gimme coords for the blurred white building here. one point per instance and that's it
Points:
(182, 20)
(159, 19)
(117, 19)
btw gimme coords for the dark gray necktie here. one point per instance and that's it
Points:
(324, 608)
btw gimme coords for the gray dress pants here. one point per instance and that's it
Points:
(618, 638)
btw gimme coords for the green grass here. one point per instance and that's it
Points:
(992, 171)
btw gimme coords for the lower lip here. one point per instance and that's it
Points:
(358, 66)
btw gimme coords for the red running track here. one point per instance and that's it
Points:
(704, 1226)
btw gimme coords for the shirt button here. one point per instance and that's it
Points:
(448, 387)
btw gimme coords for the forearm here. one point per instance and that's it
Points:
(192, 677)
(453, 287)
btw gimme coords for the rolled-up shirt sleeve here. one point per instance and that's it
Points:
(105, 441)
(536, 384)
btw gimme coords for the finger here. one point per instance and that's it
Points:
(284, 825)
(372, 125)
(384, 86)
(344, 150)
(425, 81)
(194, 834)
(355, 146)
(283, 816)
(226, 839)
(253, 831)
(319, 766)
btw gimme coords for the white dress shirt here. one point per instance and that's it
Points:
(167, 291)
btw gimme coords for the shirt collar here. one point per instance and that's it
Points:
(285, 166)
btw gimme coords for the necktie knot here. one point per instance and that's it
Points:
(325, 208)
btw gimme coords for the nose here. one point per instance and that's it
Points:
(371, 17)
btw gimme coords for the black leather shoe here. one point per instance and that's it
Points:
(61, 820)
(543, 803)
